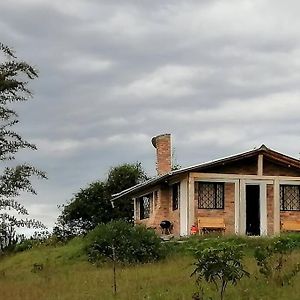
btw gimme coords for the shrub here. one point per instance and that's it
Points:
(25, 245)
(274, 263)
(219, 264)
(122, 242)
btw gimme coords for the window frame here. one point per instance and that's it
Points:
(141, 204)
(215, 200)
(175, 187)
(281, 199)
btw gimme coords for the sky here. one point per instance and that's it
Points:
(221, 76)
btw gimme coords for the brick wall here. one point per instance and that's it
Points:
(174, 218)
(162, 143)
(272, 169)
(247, 166)
(150, 222)
(159, 210)
(165, 211)
(227, 213)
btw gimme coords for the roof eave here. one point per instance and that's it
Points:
(140, 186)
(263, 149)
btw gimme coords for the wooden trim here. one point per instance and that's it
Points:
(262, 205)
(147, 191)
(289, 182)
(176, 179)
(242, 213)
(208, 179)
(236, 206)
(276, 218)
(183, 211)
(263, 209)
(191, 204)
(260, 167)
(240, 176)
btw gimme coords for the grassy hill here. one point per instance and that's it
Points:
(63, 272)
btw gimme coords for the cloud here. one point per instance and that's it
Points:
(85, 65)
(221, 76)
(62, 148)
(273, 108)
(167, 81)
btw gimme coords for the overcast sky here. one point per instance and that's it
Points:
(220, 76)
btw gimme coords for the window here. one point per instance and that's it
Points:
(289, 197)
(155, 202)
(211, 195)
(145, 205)
(175, 195)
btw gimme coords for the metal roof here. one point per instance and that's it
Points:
(245, 154)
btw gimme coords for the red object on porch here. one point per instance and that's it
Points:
(194, 229)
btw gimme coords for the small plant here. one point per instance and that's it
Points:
(220, 264)
(36, 267)
(274, 261)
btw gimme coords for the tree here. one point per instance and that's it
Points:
(14, 77)
(119, 179)
(219, 265)
(91, 205)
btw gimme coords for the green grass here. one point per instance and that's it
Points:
(67, 275)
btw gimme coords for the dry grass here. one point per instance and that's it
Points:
(66, 275)
(85, 281)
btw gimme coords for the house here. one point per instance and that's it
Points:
(256, 192)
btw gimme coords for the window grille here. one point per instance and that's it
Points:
(211, 195)
(145, 205)
(175, 195)
(289, 197)
(155, 202)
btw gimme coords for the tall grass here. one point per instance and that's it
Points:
(67, 275)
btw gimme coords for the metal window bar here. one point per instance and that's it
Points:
(145, 207)
(289, 197)
(210, 195)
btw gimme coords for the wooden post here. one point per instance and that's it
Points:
(260, 166)
(191, 206)
(114, 269)
(276, 207)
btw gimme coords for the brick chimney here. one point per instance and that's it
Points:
(162, 143)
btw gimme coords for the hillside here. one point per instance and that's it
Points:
(62, 272)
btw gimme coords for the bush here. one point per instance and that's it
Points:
(122, 242)
(275, 263)
(219, 263)
(25, 245)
